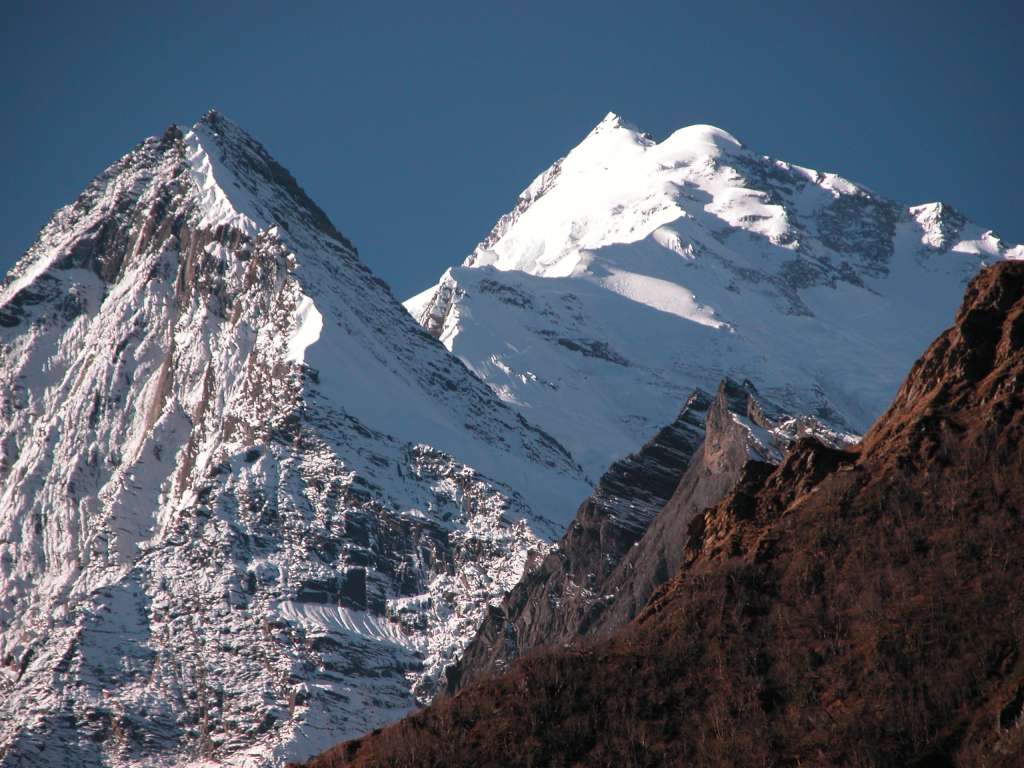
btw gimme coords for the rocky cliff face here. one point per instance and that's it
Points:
(745, 438)
(557, 601)
(623, 543)
(851, 607)
(247, 504)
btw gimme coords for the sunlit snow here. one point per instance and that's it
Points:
(632, 270)
(307, 326)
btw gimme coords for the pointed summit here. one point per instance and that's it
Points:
(613, 120)
(224, 127)
(615, 128)
(210, 117)
(699, 137)
(218, 422)
(689, 259)
(242, 185)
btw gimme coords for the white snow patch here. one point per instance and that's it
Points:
(662, 295)
(760, 443)
(319, 619)
(669, 240)
(419, 302)
(701, 139)
(218, 209)
(308, 325)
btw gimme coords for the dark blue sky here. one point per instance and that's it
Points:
(415, 125)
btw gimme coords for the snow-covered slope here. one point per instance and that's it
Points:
(631, 272)
(248, 507)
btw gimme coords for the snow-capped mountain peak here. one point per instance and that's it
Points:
(601, 193)
(242, 185)
(247, 506)
(609, 124)
(632, 271)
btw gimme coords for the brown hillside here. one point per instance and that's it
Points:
(860, 609)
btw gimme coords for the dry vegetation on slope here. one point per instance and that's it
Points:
(858, 609)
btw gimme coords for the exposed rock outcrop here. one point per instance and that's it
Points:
(556, 602)
(850, 608)
(246, 503)
(625, 539)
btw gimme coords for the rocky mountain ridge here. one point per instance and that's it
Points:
(247, 504)
(632, 272)
(623, 543)
(250, 507)
(856, 607)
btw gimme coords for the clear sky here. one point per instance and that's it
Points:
(416, 124)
